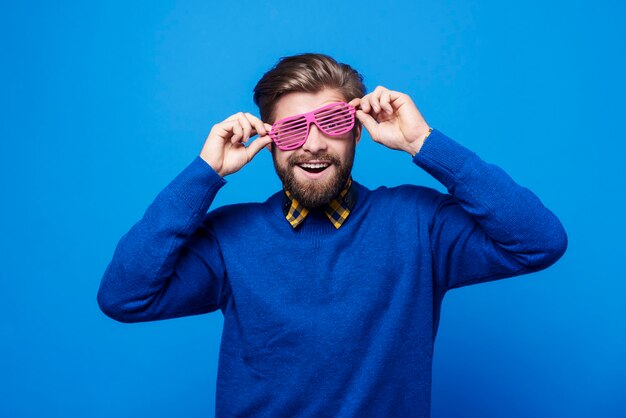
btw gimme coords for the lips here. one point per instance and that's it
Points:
(314, 169)
(314, 166)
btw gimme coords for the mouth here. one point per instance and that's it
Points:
(314, 169)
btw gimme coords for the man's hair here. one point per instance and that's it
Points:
(309, 73)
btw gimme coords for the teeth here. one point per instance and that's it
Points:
(319, 165)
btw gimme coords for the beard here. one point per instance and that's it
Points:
(314, 193)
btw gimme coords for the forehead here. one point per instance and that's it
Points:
(295, 103)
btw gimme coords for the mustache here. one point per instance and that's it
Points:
(300, 159)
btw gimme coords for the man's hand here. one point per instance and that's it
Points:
(392, 119)
(224, 148)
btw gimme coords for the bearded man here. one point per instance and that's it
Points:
(330, 291)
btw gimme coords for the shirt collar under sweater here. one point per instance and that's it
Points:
(337, 209)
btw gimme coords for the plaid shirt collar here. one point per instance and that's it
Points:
(337, 209)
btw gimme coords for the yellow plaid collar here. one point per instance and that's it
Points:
(337, 210)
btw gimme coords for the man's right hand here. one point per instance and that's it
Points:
(225, 150)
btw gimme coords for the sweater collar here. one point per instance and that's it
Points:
(337, 209)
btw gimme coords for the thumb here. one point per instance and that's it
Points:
(369, 122)
(257, 145)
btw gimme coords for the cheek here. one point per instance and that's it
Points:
(282, 158)
(344, 150)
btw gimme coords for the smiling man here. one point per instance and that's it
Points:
(330, 291)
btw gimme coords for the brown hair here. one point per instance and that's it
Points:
(306, 72)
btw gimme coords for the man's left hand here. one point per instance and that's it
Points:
(392, 119)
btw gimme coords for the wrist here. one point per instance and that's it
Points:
(414, 146)
(213, 164)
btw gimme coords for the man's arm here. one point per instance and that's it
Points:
(169, 263)
(488, 227)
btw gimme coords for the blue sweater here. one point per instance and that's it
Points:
(324, 322)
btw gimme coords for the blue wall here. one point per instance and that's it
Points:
(103, 104)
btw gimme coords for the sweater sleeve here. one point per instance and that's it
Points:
(488, 227)
(169, 264)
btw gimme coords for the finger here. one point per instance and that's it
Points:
(375, 99)
(385, 101)
(257, 145)
(224, 129)
(232, 117)
(369, 122)
(237, 131)
(246, 125)
(355, 102)
(257, 124)
(397, 98)
(365, 103)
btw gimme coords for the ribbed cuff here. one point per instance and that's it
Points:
(442, 157)
(197, 185)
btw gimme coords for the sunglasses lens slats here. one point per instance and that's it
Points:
(291, 140)
(290, 132)
(292, 123)
(286, 134)
(339, 127)
(336, 119)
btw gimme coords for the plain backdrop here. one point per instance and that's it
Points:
(103, 103)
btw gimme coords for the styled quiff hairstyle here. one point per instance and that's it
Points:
(309, 73)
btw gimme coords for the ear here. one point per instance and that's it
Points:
(357, 136)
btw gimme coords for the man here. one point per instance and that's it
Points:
(330, 292)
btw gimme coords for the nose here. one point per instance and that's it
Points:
(316, 141)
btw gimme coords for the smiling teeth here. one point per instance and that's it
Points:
(307, 165)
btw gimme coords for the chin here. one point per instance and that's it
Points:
(314, 190)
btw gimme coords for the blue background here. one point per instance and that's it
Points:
(102, 104)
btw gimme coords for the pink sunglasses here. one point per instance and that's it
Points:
(333, 119)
